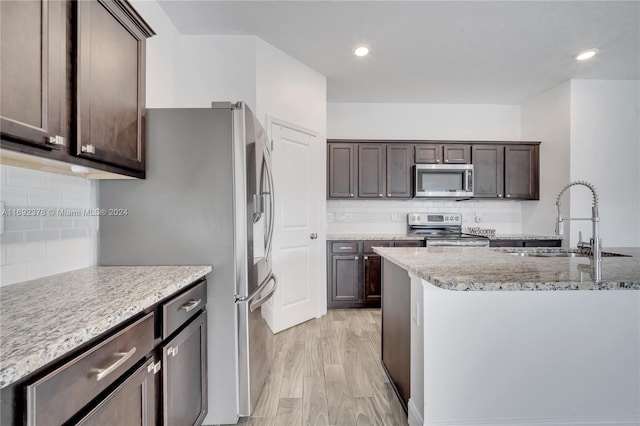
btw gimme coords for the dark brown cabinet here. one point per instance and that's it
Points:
(341, 173)
(133, 403)
(110, 99)
(506, 171)
(73, 81)
(398, 171)
(354, 272)
(184, 392)
(33, 73)
(443, 154)
(525, 243)
(371, 170)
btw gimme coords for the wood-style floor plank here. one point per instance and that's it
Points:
(289, 412)
(339, 402)
(314, 402)
(327, 372)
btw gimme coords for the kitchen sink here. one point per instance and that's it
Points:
(554, 253)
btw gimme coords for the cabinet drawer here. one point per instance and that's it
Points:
(344, 247)
(60, 394)
(179, 309)
(369, 245)
(409, 244)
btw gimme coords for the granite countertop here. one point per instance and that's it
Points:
(493, 269)
(45, 318)
(381, 237)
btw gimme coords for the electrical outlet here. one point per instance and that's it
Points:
(394, 216)
(478, 217)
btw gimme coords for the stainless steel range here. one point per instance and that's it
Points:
(443, 229)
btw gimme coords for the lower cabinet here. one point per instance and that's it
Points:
(184, 385)
(152, 370)
(354, 272)
(132, 403)
(525, 243)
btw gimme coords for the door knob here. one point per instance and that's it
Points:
(313, 236)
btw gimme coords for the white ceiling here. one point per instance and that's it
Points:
(434, 51)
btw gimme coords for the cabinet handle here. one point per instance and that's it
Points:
(355, 258)
(499, 195)
(191, 305)
(388, 195)
(154, 368)
(380, 195)
(101, 373)
(508, 195)
(172, 350)
(351, 195)
(446, 161)
(346, 248)
(366, 258)
(437, 161)
(313, 236)
(89, 149)
(57, 140)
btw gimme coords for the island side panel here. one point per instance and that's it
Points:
(396, 328)
(531, 357)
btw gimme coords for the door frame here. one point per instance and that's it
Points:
(319, 249)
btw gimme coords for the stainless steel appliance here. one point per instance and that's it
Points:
(444, 180)
(207, 199)
(443, 229)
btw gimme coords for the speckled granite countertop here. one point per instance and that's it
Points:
(373, 237)
(492, 269)
(42, 319)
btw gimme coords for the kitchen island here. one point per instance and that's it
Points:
(501, 338)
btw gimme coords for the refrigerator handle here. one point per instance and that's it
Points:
(267, 162)
(257, 303)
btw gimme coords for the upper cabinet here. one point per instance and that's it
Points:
(33, 74)
(360, 169)
(508, 171)
(429, 153)
(73, 81)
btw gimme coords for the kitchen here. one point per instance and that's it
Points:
(571, 113)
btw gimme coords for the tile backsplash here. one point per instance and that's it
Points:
(390, 217)
(59, 232)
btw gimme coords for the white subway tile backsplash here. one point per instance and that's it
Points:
(18, 253)
(76, 200)
(13, 196)
(44, 198)
(37, 246)
(11, 274)
(26, 178)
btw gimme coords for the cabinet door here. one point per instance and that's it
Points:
(456, 154)
(132, 403)
(372, 278)
(488, 171)
(110, 84)
(32, 70)
(428, 154)
(344, 278)
(399, 171)
(371, 170)
(342, 170)
(184, 384)
(521, 172)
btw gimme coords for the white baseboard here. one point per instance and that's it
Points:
(561, 421)
(415, 419)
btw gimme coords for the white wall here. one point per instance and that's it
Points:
(53, 241)
(546, 118)
(421, 121)
(605, 150)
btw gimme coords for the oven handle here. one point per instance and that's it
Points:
(468, 175)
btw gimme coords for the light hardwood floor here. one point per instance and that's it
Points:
(327, 372)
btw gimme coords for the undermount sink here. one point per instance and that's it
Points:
(555, 253)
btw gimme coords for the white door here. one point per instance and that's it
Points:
(298, 240)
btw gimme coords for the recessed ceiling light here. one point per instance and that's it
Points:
(587, 54)
(361, 51)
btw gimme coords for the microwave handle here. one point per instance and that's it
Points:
(468, 182)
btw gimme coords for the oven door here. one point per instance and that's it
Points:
(444, 180)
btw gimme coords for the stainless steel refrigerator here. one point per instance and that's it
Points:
(207, 199)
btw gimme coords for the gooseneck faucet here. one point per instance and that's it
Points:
(595, 245)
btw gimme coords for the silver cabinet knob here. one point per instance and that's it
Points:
(57, 140)
(508, 195)
(388, 195)
(351, 195)
(499, 195)
(89, 149)
(379, 195)
(313, 236)
(446, 161)
(355, 258)
(437, 161)
(366, 258)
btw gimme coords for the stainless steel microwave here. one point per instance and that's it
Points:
(444, 180)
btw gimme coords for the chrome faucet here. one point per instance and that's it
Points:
(595, 244)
